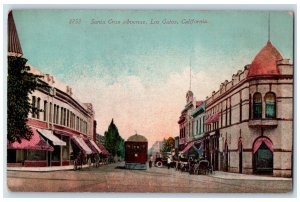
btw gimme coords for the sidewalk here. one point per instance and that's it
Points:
(239, 176)
(45, 169)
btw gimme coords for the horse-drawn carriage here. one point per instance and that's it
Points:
(201, 167)
(195, 167)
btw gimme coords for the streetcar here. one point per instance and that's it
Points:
(136, 149)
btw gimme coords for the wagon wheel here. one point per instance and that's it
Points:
(159, 164)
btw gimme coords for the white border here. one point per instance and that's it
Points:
(260, 5)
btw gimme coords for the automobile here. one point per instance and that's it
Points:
(161, 160)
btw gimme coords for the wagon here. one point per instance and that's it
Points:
(202, 167)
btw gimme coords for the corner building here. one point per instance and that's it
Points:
(62, 127)
(249, 120)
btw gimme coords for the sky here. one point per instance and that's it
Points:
(138, 74)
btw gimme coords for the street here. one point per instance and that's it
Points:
(113, 178)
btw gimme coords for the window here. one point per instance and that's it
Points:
(257, 106)
(45, 110)
(57, 114)
(61, 116)
(241, 108)
(250, 106)
(67, 117)
(270, 105)
(200, 122)
(50, 112)
(38, 108)
(33, 106)
(66, 149)
(226, 117)
(230, 111)
(54, 114)
(36, 155)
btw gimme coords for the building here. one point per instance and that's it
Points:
(185, 121)
(189, 122)
(249, 125)
(156, 148)
(62, 126)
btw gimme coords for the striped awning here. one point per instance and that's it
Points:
(82, 145)
(96, 146)
(214, 118)
(90, 145)
(187, 147)
(36, 142)
(50, 136)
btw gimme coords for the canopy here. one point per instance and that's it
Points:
(199, 151)
(36, 142)
(50, 136)
(103, 149)
(89, 144)
(96, 146)
(187, 147)
(213, 118)
(260, 141)
(82, 145)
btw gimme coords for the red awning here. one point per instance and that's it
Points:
(36, 142)
(260, 141)
(213, 118)
(187, 147)
(103, 149)
(89, 144)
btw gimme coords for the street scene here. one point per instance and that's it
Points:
(110, 178)
(150, 101)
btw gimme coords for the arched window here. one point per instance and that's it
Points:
(270, 105)
(257, 105)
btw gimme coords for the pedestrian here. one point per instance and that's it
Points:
(150, 161)
(97, 159)
(169, 162)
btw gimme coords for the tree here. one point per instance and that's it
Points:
(121, 149)
(20, 83)
(168, 144)
(113, 139)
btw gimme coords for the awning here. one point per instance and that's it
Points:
(82, 145)
(187, 147)
(213, 118)
(50, 136)
(103, 149)
(199, 151)
(36, 142)
(89, 144)
(260, 141)
(96, 146)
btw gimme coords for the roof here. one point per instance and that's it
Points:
(14, 46)
(137, 138)
(265, 62)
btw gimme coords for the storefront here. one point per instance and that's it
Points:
(29, 153)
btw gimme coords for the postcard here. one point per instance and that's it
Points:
(150, 101)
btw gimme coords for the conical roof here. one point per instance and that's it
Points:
(14, 46)
(265, 62)
(137, 138)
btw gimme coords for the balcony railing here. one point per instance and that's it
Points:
(263, 123)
